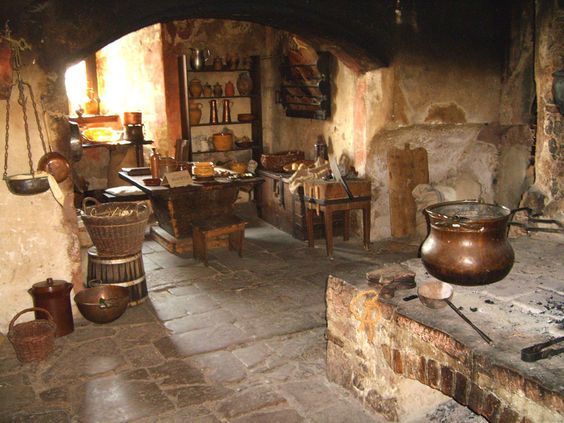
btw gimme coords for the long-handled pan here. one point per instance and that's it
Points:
(438, 294)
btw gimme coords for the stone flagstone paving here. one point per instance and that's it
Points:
(239, 341)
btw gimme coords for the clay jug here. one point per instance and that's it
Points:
(195, 87)
(229, 89)
(195, 113)
(217, 90)
(208, 92)
(244, 84)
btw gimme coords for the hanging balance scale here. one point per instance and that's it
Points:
(35, 181)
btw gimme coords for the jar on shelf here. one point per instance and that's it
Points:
(195, 87)
(217, 90)
(208, 91)
(229, 89)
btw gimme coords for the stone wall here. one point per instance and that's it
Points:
(38, 235)
(549, 57)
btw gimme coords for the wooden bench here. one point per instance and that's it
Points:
(204, 230)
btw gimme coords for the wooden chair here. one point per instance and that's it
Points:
(205, 230)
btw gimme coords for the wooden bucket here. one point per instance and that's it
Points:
(121, 271)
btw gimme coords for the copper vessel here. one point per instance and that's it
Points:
(467, 242)
(54, 296)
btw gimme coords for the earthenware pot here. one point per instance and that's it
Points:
(195, 87)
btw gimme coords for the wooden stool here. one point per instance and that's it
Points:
(205, 230)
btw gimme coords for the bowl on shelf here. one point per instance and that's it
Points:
(246, 117)
(223, 141)
(244, 142)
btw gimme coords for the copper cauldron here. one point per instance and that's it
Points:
(467, 242)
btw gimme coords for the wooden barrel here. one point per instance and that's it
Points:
(123, 271)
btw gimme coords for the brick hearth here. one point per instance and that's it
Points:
(417, 354)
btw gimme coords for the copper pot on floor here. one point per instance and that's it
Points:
(54, 296)
(467, 242)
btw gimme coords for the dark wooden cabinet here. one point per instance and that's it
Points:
(286, 211)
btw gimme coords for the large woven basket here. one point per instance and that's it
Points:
(116, 229)
(33, 340)
(276, 162)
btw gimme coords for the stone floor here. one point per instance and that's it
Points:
(239, 341)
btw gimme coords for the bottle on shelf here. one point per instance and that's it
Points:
(227, 111)
(92, 105)
(217, 90)
(207, 90)
(229, 89)
(213, 112)
(154, 163)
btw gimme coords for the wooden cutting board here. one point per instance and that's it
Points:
(407, 168)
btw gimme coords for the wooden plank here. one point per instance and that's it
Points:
(407, 168)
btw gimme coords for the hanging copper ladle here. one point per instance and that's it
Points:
(438, 294)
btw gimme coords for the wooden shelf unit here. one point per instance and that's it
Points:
(254, 99)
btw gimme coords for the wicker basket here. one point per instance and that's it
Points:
(116, 235)
(276, 162)
(33, 340)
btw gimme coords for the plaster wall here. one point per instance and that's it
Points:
(131, 78)
(35, 231)
(436, 98)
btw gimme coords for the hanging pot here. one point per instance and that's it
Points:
(27, 184)
(467, 242)
(34, 182)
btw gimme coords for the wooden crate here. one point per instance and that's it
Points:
(333, 190)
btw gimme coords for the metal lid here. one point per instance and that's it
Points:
(50, 285)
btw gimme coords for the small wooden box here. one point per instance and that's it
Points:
(319, 189)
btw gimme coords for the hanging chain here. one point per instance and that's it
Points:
(17, 46)
(22, 100)
(7, 132)
(34, 105)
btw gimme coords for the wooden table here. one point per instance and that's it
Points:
(329, 197)
(176, 208)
